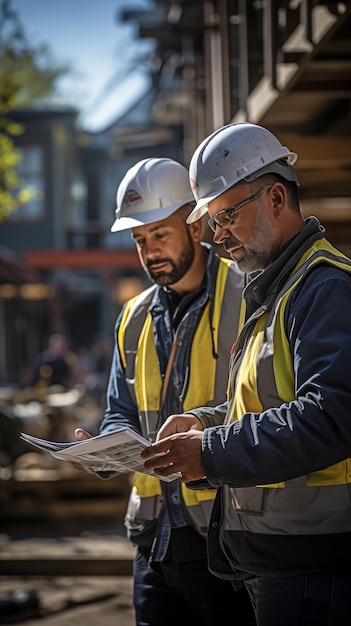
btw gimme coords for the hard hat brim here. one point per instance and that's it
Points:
(199, 210)
(154, 215)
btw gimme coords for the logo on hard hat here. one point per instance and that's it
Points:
(194, 184)
(132, 196)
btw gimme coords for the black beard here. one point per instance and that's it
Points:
(179, 269)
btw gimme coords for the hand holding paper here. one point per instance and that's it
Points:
(181, 451)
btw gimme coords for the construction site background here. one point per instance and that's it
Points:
(64, 556)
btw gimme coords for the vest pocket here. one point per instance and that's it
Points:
(249, 499)
(141, 511)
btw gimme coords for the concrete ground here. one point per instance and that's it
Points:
(67, 601)
(64, 556)
(43, 580)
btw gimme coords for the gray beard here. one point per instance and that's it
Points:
(258, 251)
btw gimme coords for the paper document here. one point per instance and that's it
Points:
(117, 451)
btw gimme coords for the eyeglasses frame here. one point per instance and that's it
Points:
(213, 223)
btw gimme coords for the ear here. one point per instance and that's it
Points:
(195, 229)
(279, 199)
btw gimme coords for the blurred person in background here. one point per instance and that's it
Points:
(52, 365)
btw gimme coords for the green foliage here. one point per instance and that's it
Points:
(27, 75)
(12, 192)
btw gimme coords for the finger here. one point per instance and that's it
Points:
(82, 434)
(165, 470)
(157, 460)
(155, 449)
(185, 478)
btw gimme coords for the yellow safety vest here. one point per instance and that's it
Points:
(206, 384)
(265, 379)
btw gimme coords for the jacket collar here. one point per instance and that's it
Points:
(266, 284)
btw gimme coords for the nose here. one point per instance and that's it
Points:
(221, 234)
(151, 250)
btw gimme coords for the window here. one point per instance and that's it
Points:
(31, 172)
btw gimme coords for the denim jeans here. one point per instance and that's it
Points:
(319, 599)
(180, 593)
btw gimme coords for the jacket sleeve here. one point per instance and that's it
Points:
(121, 409)
(313, 431)
(209, 416)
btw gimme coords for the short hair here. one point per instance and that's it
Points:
(292, 189)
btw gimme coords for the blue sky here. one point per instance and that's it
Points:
(86, 35)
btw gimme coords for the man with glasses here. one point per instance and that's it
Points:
(278, 449)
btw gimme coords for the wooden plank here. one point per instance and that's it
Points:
(93, 509)
(77, 566)
(314, 151)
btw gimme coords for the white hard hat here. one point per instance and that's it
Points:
(235, 153)
(150, 191)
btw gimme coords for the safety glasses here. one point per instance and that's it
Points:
(224, 217)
